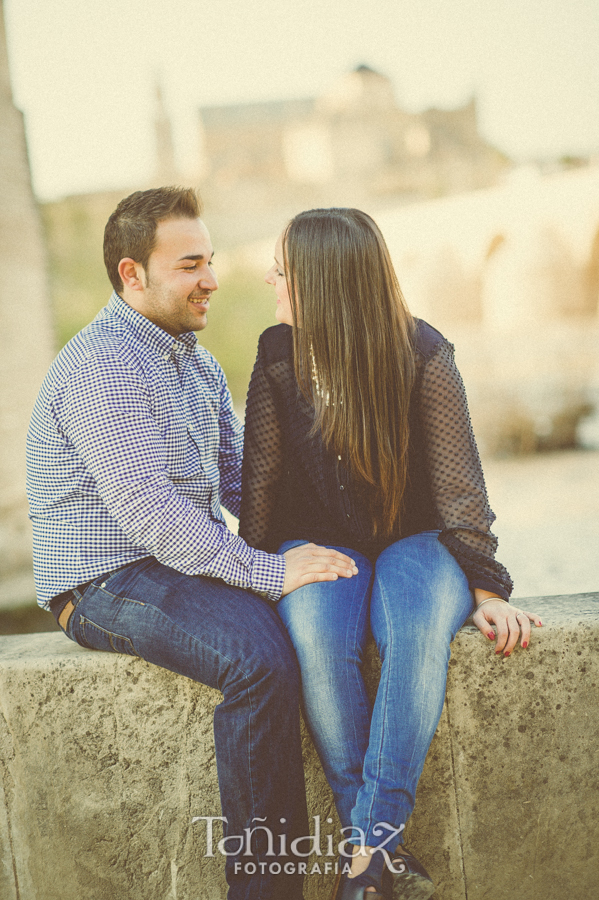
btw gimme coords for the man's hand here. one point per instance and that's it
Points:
(309, 563)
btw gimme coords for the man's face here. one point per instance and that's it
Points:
(179, 279)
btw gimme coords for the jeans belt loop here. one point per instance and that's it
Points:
(76, 595)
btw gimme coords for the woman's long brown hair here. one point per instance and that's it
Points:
(356, 335)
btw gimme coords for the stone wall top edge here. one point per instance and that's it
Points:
(44, 647)
(562, 608)
(557, 611)
(589, 596)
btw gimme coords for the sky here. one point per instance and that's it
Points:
(84, 72)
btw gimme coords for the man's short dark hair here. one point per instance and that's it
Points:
(131, 229)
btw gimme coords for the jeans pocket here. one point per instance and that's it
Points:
(97, 638)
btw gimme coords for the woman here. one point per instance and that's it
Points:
(358, 437)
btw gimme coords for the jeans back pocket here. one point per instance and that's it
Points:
(97, 638)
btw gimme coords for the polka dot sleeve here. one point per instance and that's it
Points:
(456, 476)
(262, 462)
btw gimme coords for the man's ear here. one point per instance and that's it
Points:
(132, 274)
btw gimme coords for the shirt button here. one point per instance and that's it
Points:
(341, 487)
(348, 516)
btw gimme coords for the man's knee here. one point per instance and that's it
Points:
(271, 663)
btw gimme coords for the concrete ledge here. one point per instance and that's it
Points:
(104, 760)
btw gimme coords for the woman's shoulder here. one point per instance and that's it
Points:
(427, 339)
(276, 344)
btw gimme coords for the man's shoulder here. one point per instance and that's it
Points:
(276, 344)
(104, 345)
(104, 338)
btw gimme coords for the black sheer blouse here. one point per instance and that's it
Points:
(294, 488)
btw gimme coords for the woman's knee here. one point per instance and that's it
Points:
(419, 584)
(420, 561)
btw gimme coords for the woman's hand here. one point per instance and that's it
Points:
(510, 621)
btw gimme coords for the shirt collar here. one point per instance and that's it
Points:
(149, 333)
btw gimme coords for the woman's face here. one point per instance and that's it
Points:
(276, 276)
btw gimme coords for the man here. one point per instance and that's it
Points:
(133, 446)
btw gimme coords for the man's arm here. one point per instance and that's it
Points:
(105, 412)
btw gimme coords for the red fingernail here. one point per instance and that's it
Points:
(498, 653)
(507, 653)
(491, 636)
(540, 623)
(525, 643)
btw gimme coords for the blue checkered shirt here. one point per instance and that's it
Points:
(132, 447)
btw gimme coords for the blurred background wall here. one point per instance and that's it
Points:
(498, 249)
(26, 339)
(503, 258)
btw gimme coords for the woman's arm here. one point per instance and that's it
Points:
(262, 461)
(460, 496)
(456, 477)
(262, 464)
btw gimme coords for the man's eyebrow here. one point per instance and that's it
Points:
(194, 256)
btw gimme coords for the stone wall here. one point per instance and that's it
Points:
(105, 760)
(26, 342)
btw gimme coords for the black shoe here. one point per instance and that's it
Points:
(405, 878)
(355, 888)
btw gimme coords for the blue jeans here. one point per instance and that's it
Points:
(234, 641)
(415, 601)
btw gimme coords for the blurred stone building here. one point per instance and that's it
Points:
(259, 163)
(511, 275)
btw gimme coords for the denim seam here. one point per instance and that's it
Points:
(365, 599)
(104, 590)
(383, 594)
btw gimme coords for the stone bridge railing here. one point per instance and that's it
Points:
(105, 761)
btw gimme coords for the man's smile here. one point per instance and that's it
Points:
(200, 301)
